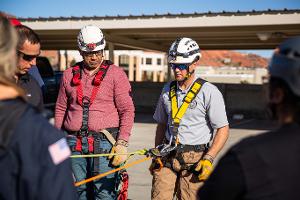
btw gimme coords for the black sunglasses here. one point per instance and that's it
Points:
(179, 66)
(26, 56)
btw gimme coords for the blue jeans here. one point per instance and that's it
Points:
(103, 188)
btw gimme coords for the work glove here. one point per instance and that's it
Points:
(156, 165)
(120, 147)
(204, 167)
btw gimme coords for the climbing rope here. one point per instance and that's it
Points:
(138, 152)
(112, 171)
(154, 152)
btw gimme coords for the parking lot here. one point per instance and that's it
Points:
(143, 137)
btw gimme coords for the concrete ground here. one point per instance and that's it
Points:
(143, 137)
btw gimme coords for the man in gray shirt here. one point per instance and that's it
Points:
(188, 112)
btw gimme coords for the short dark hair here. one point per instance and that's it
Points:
(290, 100)
(26, 33)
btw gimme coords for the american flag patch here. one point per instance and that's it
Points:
(59, 151)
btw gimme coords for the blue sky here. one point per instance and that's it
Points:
(67, 8)
(55, 8)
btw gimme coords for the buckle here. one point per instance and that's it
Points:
(85, 101)
(174, 126)
(84, 133)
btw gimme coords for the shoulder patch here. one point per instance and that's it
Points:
(59, 151)
(193, 104)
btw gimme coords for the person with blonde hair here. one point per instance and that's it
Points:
(34, 156)
(8, 60)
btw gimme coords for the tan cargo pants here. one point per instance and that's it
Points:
(183, 184)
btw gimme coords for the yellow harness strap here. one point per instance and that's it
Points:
(177, 114)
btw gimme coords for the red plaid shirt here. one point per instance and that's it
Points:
(112, 107)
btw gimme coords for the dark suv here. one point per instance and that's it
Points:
(51, 79)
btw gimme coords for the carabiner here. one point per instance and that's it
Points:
(163, 149)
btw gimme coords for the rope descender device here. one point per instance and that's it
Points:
(163, 150)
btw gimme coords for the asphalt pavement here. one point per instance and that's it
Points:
(143, 137)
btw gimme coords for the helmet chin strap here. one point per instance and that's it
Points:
(189, 74)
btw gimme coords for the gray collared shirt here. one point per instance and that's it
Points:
(204, 114)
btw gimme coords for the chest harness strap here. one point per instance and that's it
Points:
(163, 150)
(83, 137)
(178, 113)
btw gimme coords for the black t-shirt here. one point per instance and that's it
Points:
(261, 167)
(29, 147)
(33, 91)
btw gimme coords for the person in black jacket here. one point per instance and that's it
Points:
(34, 156)
(28, 49)
(267, 166)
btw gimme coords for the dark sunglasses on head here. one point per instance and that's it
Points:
(26, 56)
(179, 66)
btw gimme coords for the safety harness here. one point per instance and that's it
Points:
(177, 114)
(83, 136)
(164, 150)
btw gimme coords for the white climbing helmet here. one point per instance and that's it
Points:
(184, 50)
(91, 38)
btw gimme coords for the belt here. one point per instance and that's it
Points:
(181, 148)
(197, 148)
(114, 131)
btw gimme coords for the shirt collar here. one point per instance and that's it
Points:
(24, 77)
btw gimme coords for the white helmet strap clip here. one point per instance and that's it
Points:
(92, 46)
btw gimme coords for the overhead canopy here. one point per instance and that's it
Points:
(225, 30)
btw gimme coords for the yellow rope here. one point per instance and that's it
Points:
(138, 152)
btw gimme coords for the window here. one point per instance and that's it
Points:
(158, 61)
(124, 62)
(124, 59)
(148, 61)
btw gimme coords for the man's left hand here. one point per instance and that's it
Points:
(118, 148)
(204, 167)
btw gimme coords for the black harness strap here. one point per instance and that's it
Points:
(85, 116)
(97, 150)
